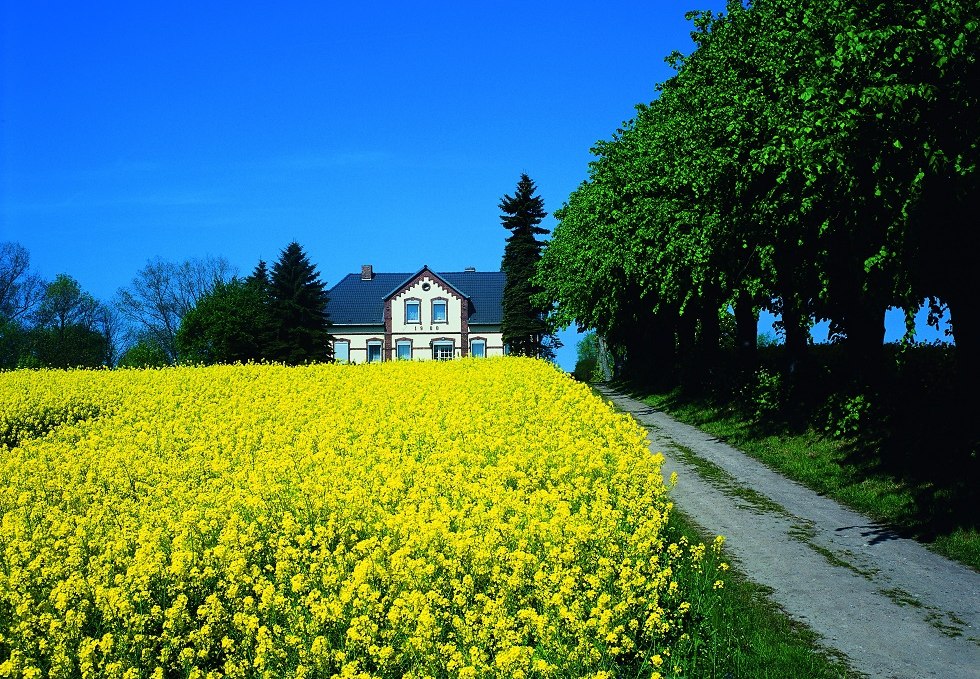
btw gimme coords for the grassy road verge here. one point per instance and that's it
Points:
(747, 635)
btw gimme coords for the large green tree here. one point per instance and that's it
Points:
(818, 158)
(227, 325)
(69, 328)
(299, 310)
(526, 328)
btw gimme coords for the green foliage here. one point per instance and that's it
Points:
(587, 362)
(848, 416)
(73, 346)
(69, 330)
(13, 343)
(727, 335)
(815, 159)
(260, 277)
(145, 353)
(64, 304)
(763, 395)
(586, 370)
(300, 326)
(588, 347)
(229, 324)
(766, 340)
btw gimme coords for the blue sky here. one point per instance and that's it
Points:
(381, 133)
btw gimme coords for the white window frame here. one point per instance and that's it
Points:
(379, 345)
(401, 344)
(417, 303)
(443, 350)
(483, 343)
(445, 305)
(336, 353)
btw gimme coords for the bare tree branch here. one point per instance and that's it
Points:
(162, 292)
(20, 289)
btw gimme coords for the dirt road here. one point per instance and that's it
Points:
(894, 608)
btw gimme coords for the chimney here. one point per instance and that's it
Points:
(367, 272)
(470, 269)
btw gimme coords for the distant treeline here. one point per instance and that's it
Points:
(815, 159)
(196, 311)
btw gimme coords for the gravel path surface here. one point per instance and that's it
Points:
(894, 608)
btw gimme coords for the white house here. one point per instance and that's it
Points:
(425, 315)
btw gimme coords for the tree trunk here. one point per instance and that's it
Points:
(791, 286)
(709, 337)
(664, 348)
(964, 313)
(640, 364)
(864, 323)
(605, 358)
(796, 327)
(746, 334)
(687, 328)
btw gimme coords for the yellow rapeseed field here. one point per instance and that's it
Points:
(472, 518)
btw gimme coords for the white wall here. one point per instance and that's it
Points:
(436, 290)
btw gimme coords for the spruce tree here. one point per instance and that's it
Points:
(525, 326)
(299, 309)
(260, 276)
(265, 326)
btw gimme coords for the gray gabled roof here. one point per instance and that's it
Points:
(357, 302)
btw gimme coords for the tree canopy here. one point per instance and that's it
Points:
(816, 159)
(69, 329)
(226, 325)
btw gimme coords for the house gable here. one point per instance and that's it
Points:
(442, 309)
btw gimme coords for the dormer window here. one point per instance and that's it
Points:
(439, 314)
(413, 311)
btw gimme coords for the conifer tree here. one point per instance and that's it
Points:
(525, 325)
(299, 309)
(260, 276)
(265, 327)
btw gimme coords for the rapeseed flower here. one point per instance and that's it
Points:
(468, 518)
